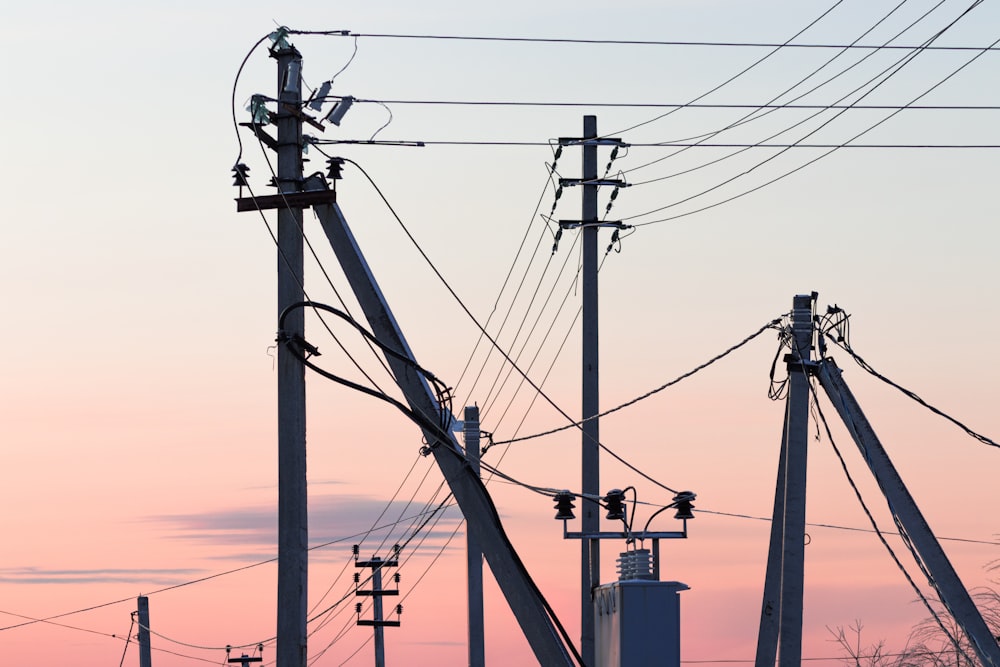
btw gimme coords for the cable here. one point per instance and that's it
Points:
(128, 638)
(878, 532)
(770, 325)
(490, 338)
(764, 111)
(896, 67)
(912, 395)
(621, 42)
(680, 105)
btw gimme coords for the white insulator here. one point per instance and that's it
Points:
(637, 564)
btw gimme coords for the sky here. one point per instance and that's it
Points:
(138, 398)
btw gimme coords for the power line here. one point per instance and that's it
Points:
(514, 143)
(680, 105)
(627, 42)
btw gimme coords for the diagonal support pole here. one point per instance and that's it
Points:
(953, 593)
(480, 514)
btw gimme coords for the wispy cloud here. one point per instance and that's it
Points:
(336, 521)
(36, 575)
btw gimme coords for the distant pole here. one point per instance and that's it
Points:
(145, 651)
(377, 604)
(293, 529)
(591, 519)
(474, 553)
(794, 541)
(376, 564)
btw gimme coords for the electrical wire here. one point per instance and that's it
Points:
(878, 532)
(619, 42)
(816, 159)
(770, 325)
(912, 395)
(765, 110)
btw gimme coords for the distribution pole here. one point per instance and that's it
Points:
(377, 605)
(796, 441)
(474, 553)
(376, 593)
(293, 530)
(591, 518)
(145, 650)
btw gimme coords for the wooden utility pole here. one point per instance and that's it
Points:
(145, 650)
(293, 529)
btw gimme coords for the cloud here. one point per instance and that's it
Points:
(335, 524)
(158, 577)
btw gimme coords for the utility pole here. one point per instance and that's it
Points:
(591, 482)
(590, 549)
(293, 528)
(145, 651)
(377, 593)
(781, 610)
(474, 553)
(794, 542)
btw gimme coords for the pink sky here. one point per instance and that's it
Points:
(138, 397)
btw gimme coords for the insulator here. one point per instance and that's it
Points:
(355, 551)
(558, 154)
(636, 564)
(357, 577)
(399, 609)
(336, 166)
(564, 505)
(614, 502)
(396, 577)
(682, 501)
(240, 175)
(357, 608)
(396, 549)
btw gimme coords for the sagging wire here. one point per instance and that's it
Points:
(835, 327)
(303, 351)
(773, 324)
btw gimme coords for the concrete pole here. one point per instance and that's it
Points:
(474, 553)
(377, 604)
(293, 530)
(591, 519)
(944, 577)
(770, 608)
(145, 651)
(794, 540)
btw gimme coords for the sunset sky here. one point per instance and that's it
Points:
(138, 399)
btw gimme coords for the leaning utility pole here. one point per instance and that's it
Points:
(936, 565)
(293, 528)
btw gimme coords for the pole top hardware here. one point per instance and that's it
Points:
(592, 141)
(569, 182)
(573, 224)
